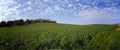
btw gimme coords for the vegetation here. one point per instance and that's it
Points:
(118, 28)
(46, 36)
(22, 22)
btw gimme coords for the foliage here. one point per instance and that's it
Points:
(22, 22)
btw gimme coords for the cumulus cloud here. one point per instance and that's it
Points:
(29, 2)
(46, 0)
(57, 7)
(6, 12)
(85, 9)
(47, 11)
(70, 5)
(96, 13)
(29, 8)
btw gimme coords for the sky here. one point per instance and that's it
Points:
(62, 11)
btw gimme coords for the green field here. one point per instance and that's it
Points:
(46, 36)
(118, 28)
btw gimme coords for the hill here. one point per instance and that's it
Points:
(118, 27)
(45, 36)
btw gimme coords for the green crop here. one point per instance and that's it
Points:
(46, 36)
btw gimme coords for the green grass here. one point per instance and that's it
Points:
(45, 36)
(118, 28)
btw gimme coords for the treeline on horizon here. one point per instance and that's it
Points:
(24, 22)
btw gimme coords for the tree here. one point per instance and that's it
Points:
(19, 22)
(22, 22)
(28, 21)
(10, 23)
(2, 24)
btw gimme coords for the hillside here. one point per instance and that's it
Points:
(44, 36)
(118, 27)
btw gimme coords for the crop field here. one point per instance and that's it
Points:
(52, 36)
(118, 28)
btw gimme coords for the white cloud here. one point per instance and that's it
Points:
(80, 4)
(70, 5)
(47, 11)
(46, 0)
(6, 12)
(86, 7)
(96, 14)
(24, 9)
(74, 8)
(57, 7)
(29, 8)
(29, 3)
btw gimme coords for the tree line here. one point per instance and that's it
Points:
(24, 22)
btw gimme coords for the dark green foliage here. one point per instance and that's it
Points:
(3, 24)
(28, 21)
(9, 23)
(19, 22)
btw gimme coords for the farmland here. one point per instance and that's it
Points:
(46, 36)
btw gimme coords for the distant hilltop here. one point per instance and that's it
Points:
(118, 24)
(105, 24)
(24, 22)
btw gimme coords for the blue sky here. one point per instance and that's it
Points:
(63, 11)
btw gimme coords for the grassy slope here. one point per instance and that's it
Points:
(59, 36)
(118, 28)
